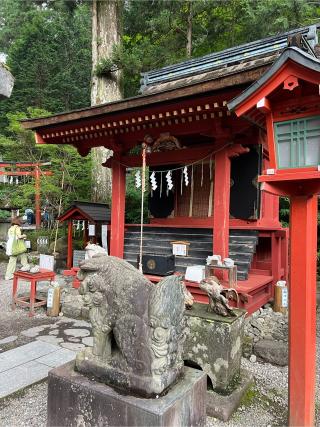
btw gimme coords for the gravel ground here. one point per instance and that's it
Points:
(264, 405)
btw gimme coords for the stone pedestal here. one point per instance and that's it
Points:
(214, 343)
(74, 399)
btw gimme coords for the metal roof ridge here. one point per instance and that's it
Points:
(223, 58)
(292, 53)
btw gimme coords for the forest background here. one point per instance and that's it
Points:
(47, 47)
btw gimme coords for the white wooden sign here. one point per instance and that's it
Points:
(284, 302)
(50, 297)
(92, 230)
(180, 249)
(47, 262)
(104, 236)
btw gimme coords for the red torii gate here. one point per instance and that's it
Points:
(36, 172)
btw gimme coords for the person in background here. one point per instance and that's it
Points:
(15, 229)
(30, 216)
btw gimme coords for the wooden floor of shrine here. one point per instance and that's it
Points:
(253, 292)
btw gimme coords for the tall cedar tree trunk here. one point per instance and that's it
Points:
(189, 30)
(106, 32)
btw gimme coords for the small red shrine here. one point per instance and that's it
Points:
(89, 213)
(203, 161)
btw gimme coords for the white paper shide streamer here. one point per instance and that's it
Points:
(186, 177)
(153, 181)
(138, 179)
(169, 180)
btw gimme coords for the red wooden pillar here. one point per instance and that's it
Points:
(302, 310)
(221, 209)
(221, 204)
(117, 208)
(69, 253)
(37, 196)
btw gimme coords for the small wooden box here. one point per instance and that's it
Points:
(180, 248)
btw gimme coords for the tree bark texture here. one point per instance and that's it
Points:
(189, 30)
(106, 32)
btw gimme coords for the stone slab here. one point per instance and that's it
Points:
(223, 406)
(77, 332)
(73, 346)
(8, 339)
(35, 331)
(21, 376)
(74, 399)
(57, 358)
(25, 353)
(51, 339)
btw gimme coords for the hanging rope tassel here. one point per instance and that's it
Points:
(160, 185)
(202, 173)
(143, 189)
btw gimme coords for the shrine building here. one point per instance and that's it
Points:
(203, 160)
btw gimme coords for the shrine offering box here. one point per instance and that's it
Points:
(162, 265)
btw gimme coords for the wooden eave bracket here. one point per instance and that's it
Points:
(38, 138)
(82, 150)
(264, 105)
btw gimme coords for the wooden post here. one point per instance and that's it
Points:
(302, 310)
(275, 258)
(117, 208)
(69, 253)
(85, 234)
(221, 204)
(37, 196)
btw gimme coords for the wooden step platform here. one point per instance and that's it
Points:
(253, 292)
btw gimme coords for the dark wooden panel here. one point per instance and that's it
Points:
(244, 191)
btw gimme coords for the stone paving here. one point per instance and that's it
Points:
(52, 345)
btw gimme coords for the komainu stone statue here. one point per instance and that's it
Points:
(218, 303)
(138, 326)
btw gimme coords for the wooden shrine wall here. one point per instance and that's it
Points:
(194, 200)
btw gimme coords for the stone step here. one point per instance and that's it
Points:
(204, 241)
(157, 240)
(241, 274)
(197, 253)
(190, 233)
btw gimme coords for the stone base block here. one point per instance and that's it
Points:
(74, 399)
(141, 385)
(214, 343)
(223, 406)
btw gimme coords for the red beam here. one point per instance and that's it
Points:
(184, 155)
(24, 173)
(23, 165)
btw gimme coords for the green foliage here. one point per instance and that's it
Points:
(20, 146)
(155, 32)
(133, 200)
(284, 211)
(104, 67)
(49, 54)
(48, 47)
